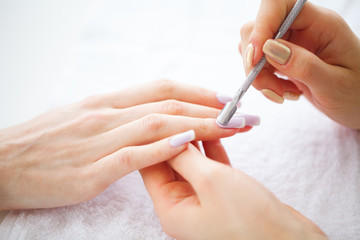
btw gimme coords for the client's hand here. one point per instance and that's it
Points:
(73, 153)
(198, 198)
(320, 55)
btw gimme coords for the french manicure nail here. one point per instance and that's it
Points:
(182, 138)
(272, 96)
(277, 51)
(224, 98)
(250, 120)
(249, 55)
(291, 96)
(235, 122)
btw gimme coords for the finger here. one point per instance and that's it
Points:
(197, 169)
(171, 107)
(128, 159)
(216, 151)
(154, 127)
(165, 190)
(103, 120)
(269, 18)
(162, 90)
(275, 88)
(299, 64)
(247, 50)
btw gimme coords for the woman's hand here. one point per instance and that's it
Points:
(198, 198)
(72, 154)
(319, 55)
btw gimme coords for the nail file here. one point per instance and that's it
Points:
(230, 108)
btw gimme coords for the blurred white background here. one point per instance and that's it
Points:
(57, 52)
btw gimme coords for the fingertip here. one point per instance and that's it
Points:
(258, 39)
(182, 139)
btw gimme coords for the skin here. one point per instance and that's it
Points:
(202, 197)
(73, 153)
(324, 64)
(196, 197)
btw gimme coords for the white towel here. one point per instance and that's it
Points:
(307, 160)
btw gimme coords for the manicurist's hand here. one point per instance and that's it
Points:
(198, 198)
(320, 55)
(71, 154)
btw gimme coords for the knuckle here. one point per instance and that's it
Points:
(92, 119)
(157, 152)
(207, 175)
(153, 122)
(125, 158)
(204, 125)
(164, 87)
(173, 107)
(91, 102)
(309, 68)
(344, 85)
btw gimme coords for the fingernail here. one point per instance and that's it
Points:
(249, 55)
(250, 120)
(182, 138)
(224, 98)
(272, 96)
(277, 51)
(235, 122)
(291, 96)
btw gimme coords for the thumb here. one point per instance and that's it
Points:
(297, 63)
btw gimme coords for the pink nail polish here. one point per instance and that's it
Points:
(235, 122)
(250, 120)
(182, 138)
(224, 98)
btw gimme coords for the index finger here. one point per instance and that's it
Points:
(270, 17)
(160, 90)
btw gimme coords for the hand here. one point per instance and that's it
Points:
(219, 202)
(320, 57)
(72, 154)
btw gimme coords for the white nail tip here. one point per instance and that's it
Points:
(250, 120)
(235, 122)
(182, 138)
